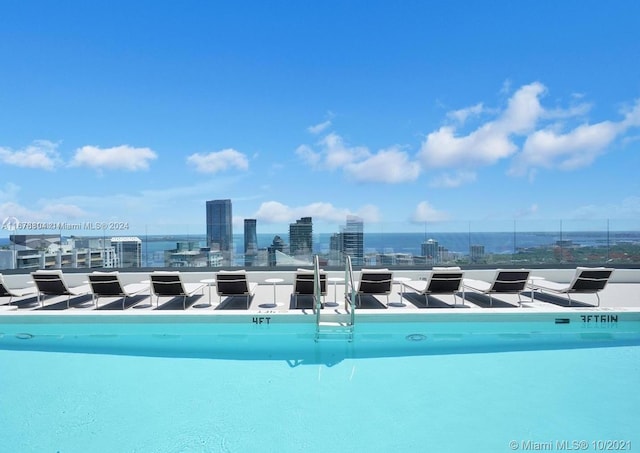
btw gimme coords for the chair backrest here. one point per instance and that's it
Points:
(4, 291)
(375, 281)
(303, 283)
(510, 281)
(105, 283)
(590, 279)
(445, 281)
(50, 282)
(167, 284)
(232, 283)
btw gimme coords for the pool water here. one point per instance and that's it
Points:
(464, 401)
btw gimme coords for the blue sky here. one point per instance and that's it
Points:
(411, 114)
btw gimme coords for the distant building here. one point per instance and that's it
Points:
(187, 254)
(46, 251)
(35, 241)
(353, 239)
(430, 250)
(128, 251)
(477, 253)
(277, 245)
(350, 241)
(301, 237)
(220, 227)
(250, 242)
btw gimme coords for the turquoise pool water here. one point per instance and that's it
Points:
(75, 393)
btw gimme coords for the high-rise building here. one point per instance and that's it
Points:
(220, 227)
(350, 241)
(250, 241)
(301, 237)
(277, 245)
(429, 249)
(128, 251)
(477, 253)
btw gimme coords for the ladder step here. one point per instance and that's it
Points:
(332, 330)
(337, 324)
(335, 336)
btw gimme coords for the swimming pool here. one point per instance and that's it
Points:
(232, 385)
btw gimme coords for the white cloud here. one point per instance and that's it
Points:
(461, 115)
(523, 110)
(632, 116)
(13, 209)
(426, 213)
(571, 112)
(316, 129)
(491, 141)
(552, 145)
(63, 211)
(308, 155)
(41, 154)
(628, 208)
(484, 146)
(577, 148)
(448, 180)
(523, 213)
(369, 213)
(218, 161)
(276, 212)
(123, 157)
(336, 154)
(389, 166)
(9, 191)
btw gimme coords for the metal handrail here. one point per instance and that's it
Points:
(349, 289)
(317, 290)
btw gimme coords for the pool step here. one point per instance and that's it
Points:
(334, 330)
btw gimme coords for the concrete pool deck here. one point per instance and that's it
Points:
(623, 292)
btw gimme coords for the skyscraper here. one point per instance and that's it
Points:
(220, 227)
(350, 241)
(430, 250)
(353, 239)
(250, 241)
(301, 237)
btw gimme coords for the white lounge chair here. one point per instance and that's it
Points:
(108, 284)
(169, 284)
(439, 281)
(586, 280)
(234, 283)
(5, 291)
(52, 283)
(505, 281)
(304, 284)
(375, 282)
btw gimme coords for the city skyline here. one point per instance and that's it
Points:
(405, 115)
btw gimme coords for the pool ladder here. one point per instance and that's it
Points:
(339, 327)
(335, 326)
